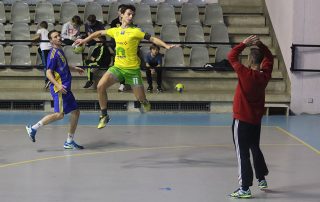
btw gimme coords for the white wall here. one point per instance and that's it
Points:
(298, 22)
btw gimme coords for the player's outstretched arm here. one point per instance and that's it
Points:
(159, 42)
(90, 37)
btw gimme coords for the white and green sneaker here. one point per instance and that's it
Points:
(239, 193)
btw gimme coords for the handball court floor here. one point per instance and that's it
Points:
(154, 157)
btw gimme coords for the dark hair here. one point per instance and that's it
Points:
(121, 6)
(77, 20)
(91, 18)
(256, 55)
(49, 34)
(126, 7)
(155, 47)
(44, 24)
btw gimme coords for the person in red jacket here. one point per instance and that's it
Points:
(248, 109)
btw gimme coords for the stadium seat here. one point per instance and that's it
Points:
(20, 31)
(189, 14)
(213, 14)
(176, 3)
(3, 18)
(104, 2)
(194, 33)
(147, 28)
(199, 3)
(128, 1)
(165, 14)
(67, 11)
(113, 11)
(222, 52)
(219, 33)
(44, 12)
(73, 59)
(174, 58)
(20, 55)
(2, 58)
(93, 8)
(152, 3)
(2, 33)
(170, 33)
(20, 12)
(199, 56)
(80, 2)
(143, 14)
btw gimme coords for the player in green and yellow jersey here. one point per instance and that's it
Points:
(127, 63)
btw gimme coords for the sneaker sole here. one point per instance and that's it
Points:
(32, 140)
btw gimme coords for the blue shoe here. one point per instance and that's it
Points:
(31, 132)
(72, 145)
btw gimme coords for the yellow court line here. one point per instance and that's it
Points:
(128, 150)
(298, 139)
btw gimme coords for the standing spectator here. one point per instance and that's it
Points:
(248, 109)
(91, 26)
(154, 65)
(100, 58)
(44, 48)
(58, 72)
(117, 23)
(71, 30)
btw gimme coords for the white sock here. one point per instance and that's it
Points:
(37, 125)
(70, 138)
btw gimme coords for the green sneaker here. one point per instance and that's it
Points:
(263, 184)
(145, 106)
(239, 193)
(103, 120)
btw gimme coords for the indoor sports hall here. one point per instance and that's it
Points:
(182, 150)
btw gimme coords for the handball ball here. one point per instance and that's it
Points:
(77, 49)
(179, 87)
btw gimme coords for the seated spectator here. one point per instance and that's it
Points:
(91, 26)
(100, 58)
(154, 65)
(44, 48)
(71, 30)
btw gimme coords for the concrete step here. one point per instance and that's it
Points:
(248, 3)
(242, 9)
(215, 84)
(35, 74)
(113, 95)
(248, 30)
(245, 20)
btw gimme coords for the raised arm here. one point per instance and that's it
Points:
(159, 42)
(90, 37)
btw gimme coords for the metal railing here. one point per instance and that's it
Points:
(295, 57)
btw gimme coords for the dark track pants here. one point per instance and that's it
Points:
(246, 137)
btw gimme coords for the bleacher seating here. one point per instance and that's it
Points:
(21, 56)
(93, 8)
(207, 24)
(2, 58)
(67, 11)
(3, 18)
(44, 12)
(20, 12)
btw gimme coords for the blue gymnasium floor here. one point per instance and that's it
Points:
(158, 157)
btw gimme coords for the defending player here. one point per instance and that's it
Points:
(58, 72)
(127, 63)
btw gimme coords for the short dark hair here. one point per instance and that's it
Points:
(91, 18)
(256, 55)
(121, 6)
(49, 34)
(126, 7)
(77, 20)
(154, 47)
(44, 24)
